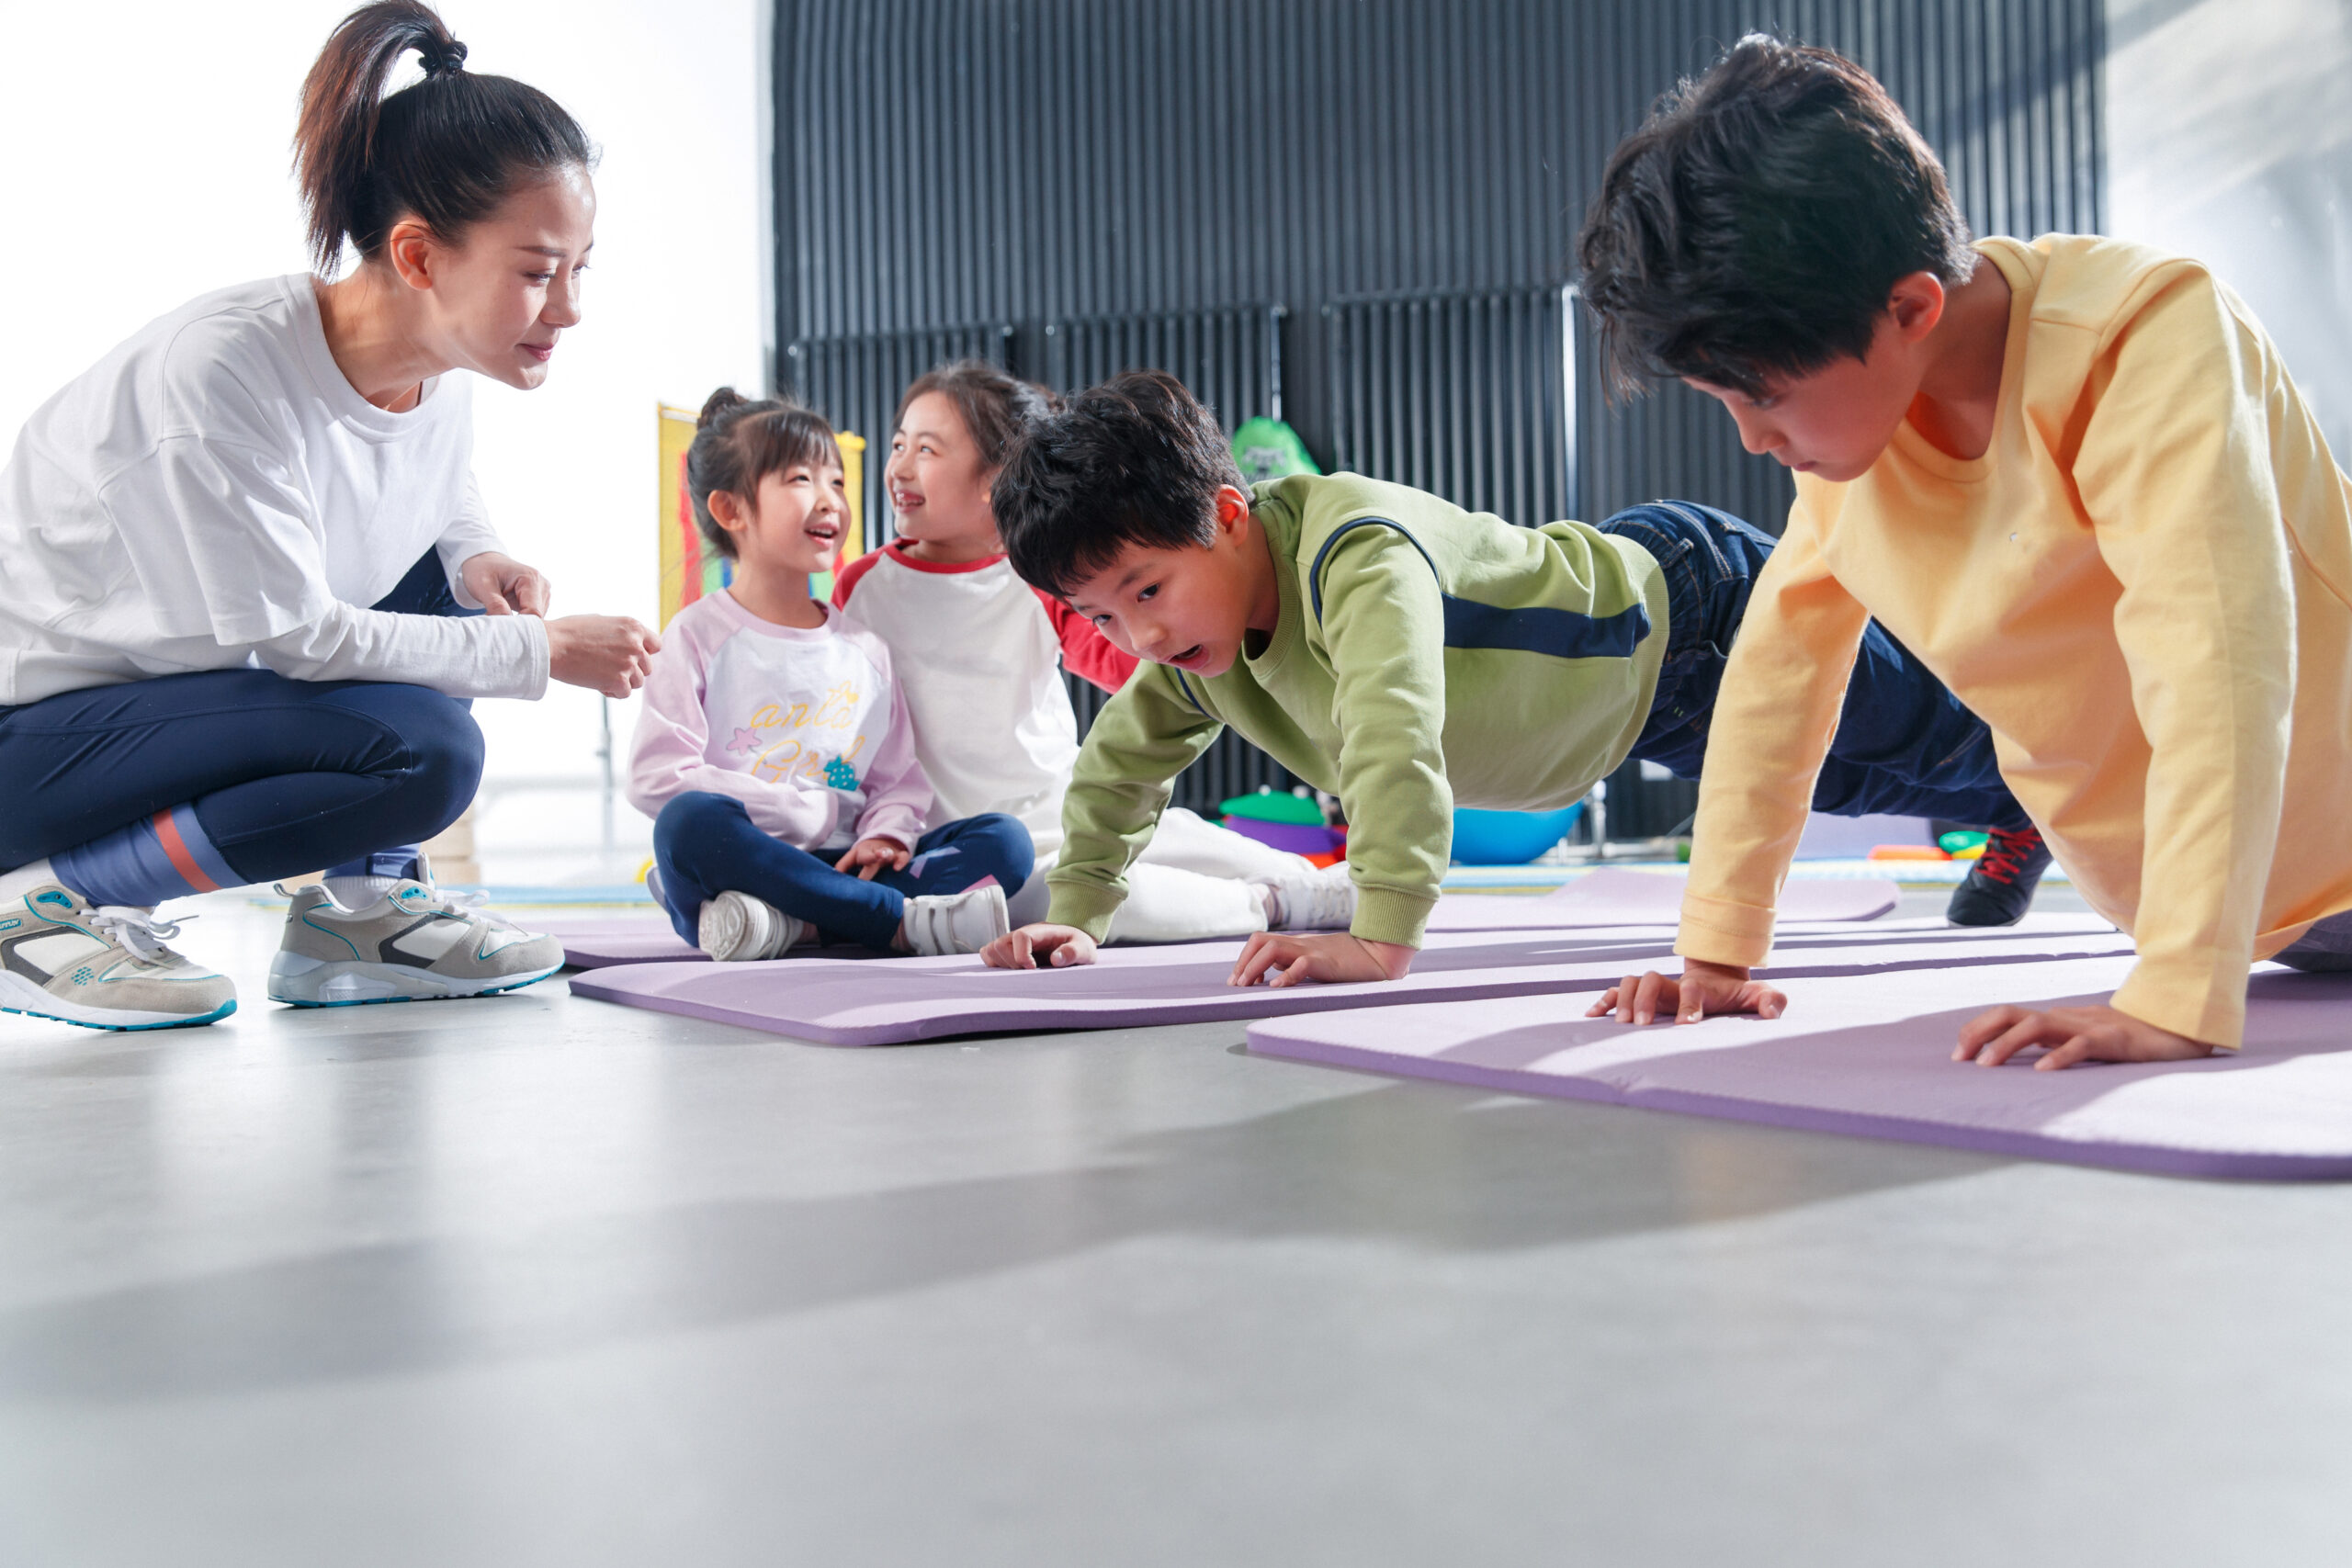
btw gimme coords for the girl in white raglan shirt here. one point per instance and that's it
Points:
(980, 653)
(195, 692)
(774, 753)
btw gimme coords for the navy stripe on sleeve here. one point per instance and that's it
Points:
(1563, 634)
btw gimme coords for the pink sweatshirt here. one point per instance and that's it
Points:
(807, 728)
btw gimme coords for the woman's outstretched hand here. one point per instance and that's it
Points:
(604, 653)
(504, 586)
(1703, 988)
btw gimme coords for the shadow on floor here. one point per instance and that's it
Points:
(1417, 1168)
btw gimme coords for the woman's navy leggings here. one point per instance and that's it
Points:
(152, 789)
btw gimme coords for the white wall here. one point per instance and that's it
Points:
(147, 162)
(2230, 139)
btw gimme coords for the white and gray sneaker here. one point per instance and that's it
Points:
(414, 942)
(103, 968)
(736, 928)
(1315, 901)
(957, 922)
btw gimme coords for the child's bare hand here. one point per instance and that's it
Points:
(2073, 1034)
(869, 855)
(1061, 946)
(1703, 988)
(1280, 959)
(604, 653)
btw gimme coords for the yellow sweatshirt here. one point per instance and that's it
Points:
(2144, 586)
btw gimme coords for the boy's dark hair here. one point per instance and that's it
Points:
(998, 408)
(739, 442)
(447, 149)
(1135, 461)
(1757, 221)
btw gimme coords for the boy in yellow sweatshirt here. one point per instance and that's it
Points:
(2070, 475)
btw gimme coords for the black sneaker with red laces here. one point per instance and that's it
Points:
(1999, 888)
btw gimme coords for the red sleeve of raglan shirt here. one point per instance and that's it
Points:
(846, 579)
(1086, 652)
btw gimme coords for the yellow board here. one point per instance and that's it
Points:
(690, 567)
(682, 545)
(854, 542)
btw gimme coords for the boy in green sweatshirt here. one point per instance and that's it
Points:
(1408, 656)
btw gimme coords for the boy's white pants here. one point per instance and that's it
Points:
(1194, 880)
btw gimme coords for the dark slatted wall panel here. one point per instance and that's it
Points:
(1471, 396)
(1043, 162)
(855, 382)
(1231, 359)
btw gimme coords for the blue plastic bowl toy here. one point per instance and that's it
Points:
(1509, 837)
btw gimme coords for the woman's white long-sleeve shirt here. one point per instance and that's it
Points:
(214, 493)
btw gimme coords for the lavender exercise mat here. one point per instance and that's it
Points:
(626, 939)
(1867, 1055)
(1618, 895)
(895, 1001)
(1612, 896)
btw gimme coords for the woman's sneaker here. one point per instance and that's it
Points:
(736, 928)
(102, 967)
(957, 922)
(414, 944)
(1999, 888)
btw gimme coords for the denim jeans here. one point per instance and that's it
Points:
(284, 776)
(1905, 745)
(706, 844)
(2325, 948)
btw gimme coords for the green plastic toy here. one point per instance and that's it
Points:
(1268, 807)
(1269, 449)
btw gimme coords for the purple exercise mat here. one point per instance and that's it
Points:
(1619, 895)
(1868, 1054)
(647, 939)
(1612, 896)
(896, 1001)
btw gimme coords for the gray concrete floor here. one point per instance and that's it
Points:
(530, 1279)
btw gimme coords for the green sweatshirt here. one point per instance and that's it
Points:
(1425, 656)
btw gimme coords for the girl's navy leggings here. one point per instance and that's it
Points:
(706, 844)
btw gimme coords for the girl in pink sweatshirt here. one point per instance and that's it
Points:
(774, 751)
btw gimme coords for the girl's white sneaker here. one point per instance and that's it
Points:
(1314, 900)
(957, 922)
(736, 928)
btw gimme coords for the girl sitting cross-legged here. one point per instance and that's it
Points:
(775, 751)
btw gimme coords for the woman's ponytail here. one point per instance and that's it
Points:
(446, 151)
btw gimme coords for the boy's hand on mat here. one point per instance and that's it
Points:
(869, 855)
(1061, 946)
(1335, 957)
(504, 586)
(604, 653)
(2072, 1034)
(1703, 988)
